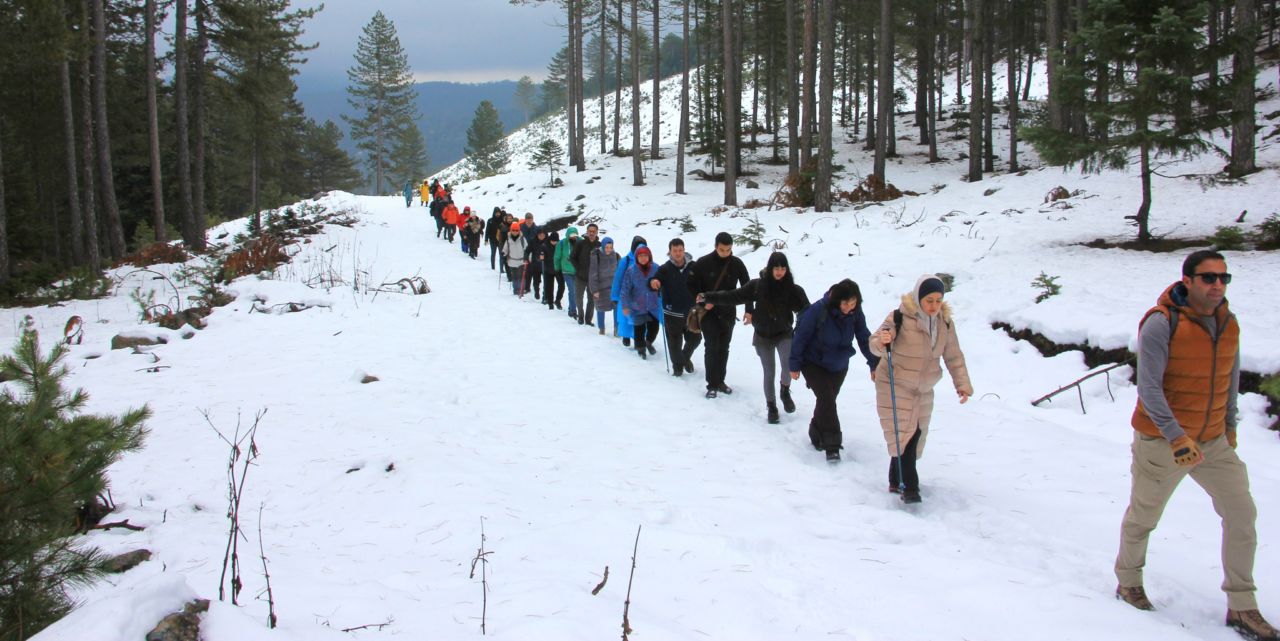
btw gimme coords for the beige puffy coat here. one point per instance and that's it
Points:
(916, 370)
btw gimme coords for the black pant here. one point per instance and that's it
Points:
(680, 341)
(589, 314)
(449, 231)
(493, 255)
(535, 283)
(717, 331)
(824, 427)
(908, 461)
(439, 225)
(646, 334)
(516, 276)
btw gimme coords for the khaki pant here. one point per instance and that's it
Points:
(1224, 477)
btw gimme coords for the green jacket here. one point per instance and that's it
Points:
(563, 250)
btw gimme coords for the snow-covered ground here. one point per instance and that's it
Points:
(494, 413)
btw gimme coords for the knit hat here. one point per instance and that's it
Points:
(467, 209)
(571, 232)
(644, 251)
(554, 236)
(515, 227)
(929, 284)
(723, 238)
(606, 241)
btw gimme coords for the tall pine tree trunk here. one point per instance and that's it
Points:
(884, 64)
(4, 217)
(793, 95)
(730, 101)
(826, 79)
(923, 61)
(637, 167)
(69, 142)
(988, 96)
(106, 174)
(198, 127)
(872, 97)
(89, 152)
(1143, 216)
(809, 85)
(684, 103)
(153, 122)
(1053, 57)
(580, 86)
(977, 111)
(1012, 59)
(1243, 155)
(657, 66)
(617, 85)
(600, 70)
(570, 85)
(182, 125)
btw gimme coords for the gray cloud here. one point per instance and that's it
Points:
(456, 40)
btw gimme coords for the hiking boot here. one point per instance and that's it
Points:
(558, 305)
(772, 413)
(652, 350)
(788, 405)
(1137, 597)
(580, 321)
(626, 342)
(711, 393)
(688, 367)
(910, 496)
(1251, 625)
(678, 372)
(833, 456)
(602, 331)
(643, 356)
(894, 489)
(725, 389)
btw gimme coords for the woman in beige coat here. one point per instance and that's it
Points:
(927, 336)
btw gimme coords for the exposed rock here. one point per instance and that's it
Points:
(180, 626)
(751, 184)
(127, 561)
(369, 378)
(1056, 194)
(120, 341)
(990, 191)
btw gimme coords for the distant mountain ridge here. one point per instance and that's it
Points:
(445, 108)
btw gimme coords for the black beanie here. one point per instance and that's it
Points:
(723, 238)
(930, 286)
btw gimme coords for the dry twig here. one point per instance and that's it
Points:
(626, 608)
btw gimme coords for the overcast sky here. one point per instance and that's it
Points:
(453, 40)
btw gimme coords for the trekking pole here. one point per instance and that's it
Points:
(893, 403)
(666, 352)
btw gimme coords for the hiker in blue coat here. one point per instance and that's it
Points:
(821, 350)
(639, 303)
(625, 327)
(408, 193)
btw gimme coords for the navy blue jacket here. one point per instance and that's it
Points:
(824, 337)
(676, 298)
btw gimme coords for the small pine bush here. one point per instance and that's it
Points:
(1048, 286)
(1228, 239)
(1268, 233)
(53, 461)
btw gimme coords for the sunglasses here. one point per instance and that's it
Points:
(1210, 278)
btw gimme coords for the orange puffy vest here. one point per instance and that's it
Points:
(1198, 377)
(450, 214)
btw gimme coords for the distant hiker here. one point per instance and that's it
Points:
(821, 350)
(472, 235)
(437, 212)
(581, 258)
(625, 326)
(551, 279)
(639, 302)
(408, 193)
(672, 280)
(772, 301)
(515, 254)
(565, 266)
(450, 215)
(424, 193)
(719, 270)
(493, 235)
(528, 227)
(1185, 424)
(537, 252)
(921, 333)
(604, 265)
(461, 223)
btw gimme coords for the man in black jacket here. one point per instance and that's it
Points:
(581, 259)
(718, 271)
(493, 235)
(672, 280)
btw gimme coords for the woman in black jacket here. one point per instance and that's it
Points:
(772, 302)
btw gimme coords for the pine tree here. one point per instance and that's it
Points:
(382, 93)
(547, 156)
(554, 92)
(328, 166)
(526, 96)
(1151, 107)
(486, 147)
(409, 160)
(53, 459)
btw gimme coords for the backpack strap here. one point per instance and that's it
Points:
(897, 321)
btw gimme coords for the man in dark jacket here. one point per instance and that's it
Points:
(672, 281)
(581, 258)
(718, 271)
(493, 236)
(437, 212)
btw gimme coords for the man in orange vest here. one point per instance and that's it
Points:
(1185, 425)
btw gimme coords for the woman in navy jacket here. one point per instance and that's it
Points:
(821, 349)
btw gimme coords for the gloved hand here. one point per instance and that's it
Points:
(1185, 452)
(1231, 438)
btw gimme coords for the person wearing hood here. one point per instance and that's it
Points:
(471, 236)
(626, 329)
(437, 212)
(604, 265)
(565, 266)
(424, 193)
(719, 270)
(672, 280)
(924, 336)
(493, 236)
(461, 222)
(639, 302)
(772, 300)
(551, 279)
(408, 193)
(515, 254)
(821, 350)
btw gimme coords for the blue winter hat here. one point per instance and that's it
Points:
(606, 241)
